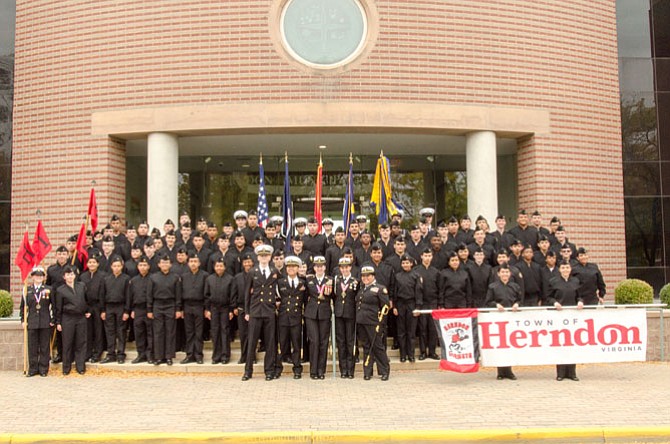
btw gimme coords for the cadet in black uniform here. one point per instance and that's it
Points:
(334, 252)
(36, 304)
(115, 311)
(142, 325)
(345, 288)
(504, 294)
(431, 301)
(480, 278)
(292, 292)
(219, 306)
(55, 280)
(317, 317)
(94, 280)
(407, 296)
(549, 271)
(242, 287)
(163, 298)
(526, 233)
(261, 302)
(314, 242)
(372, 306)
(564, 290)
(455, 284)
(71, 314)
(193, 309)
(592, 289)
(532, 278)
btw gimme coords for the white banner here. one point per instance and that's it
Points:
(569, 336)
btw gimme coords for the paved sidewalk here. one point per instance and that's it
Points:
(102, 401)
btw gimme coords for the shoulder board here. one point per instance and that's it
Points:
(374, 289)
(385, 291)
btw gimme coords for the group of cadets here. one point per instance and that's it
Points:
(240, 277)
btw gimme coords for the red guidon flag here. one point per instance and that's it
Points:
(80, 249)
(25, 258)
(458, 339)
(93, 211)
(41, 244)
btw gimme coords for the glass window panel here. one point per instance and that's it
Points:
(644, 235)
(661, 17)
(5, 209)
(638, 130)
(663, 74)
(636, 74)
(633, 28)
(7, 26)
(641, 179)
(4, 283)
(665, 178)
(655, 276)
(663, 106)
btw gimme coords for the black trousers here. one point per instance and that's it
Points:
(531, 299)
(318, 331)
(373, 349)
(194, 317)
(164, 332)
(115, 328)
(95, 343)
(38, 350)
(406, 329)
(427, 334)
(305, 343)
(144, 336)
(243, 327)
(74, 341)
(566, 371)
(505, 372)
(344, 336)
(268, 327)
(220, 331)
(290, 338)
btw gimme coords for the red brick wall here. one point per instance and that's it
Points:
(76, 57)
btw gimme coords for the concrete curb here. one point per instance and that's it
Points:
(595, 434)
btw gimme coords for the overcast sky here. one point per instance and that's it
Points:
(7, 13)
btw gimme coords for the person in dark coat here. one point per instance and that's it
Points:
(547, 272)
(502, 294)
(407, 296)
(480, 277)
(455, 286)
(94, 279)
(565, 291)
(37, 316)
(115, 310)
(317, 317)
(242, 287)
(142, 325)
(345, 287)
(292, 292)
(193, 309)
(592, 289)
(71, 314)
(372, 306)
(219, 307)
(163, 299)
(532, 277)
(430, 277)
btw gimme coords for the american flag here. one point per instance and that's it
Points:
(262, 208)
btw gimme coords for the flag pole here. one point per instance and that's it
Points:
(25, 322)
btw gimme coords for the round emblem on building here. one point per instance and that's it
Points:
(323, 33)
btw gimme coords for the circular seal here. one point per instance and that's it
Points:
(323, 33)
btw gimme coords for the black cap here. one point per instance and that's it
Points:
(503, 251)
(143, 260)
(399, 240)
(202, 219)
(426, 251)
(169, 222)
(238, 233)
(115, 258)
(94, 257)
(414, 227)
(376, 246)
(339, 230)
(542, 237)
(69, 269)
(516, 242)
(311, 220)
(465, 217)
(406, 257)
(480, 218)
(555, 220)
(183, 213)
(384, 225)
(182, 250)
(247, 257)
(278, 252)
(61, 249)
(551, 253)
(522, 211)
(73, 238)
(170, 233)
(115, 218)
(193, 255)
(581, 250)
(149, 243)
(453, 220)
(536, 213)
(211, 224)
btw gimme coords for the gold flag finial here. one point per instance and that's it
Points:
(320, 160)
(351, 158)
(261, 161)
(381, 153)
(286, 156)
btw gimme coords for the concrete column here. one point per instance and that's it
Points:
(482, 176)
(162, 179)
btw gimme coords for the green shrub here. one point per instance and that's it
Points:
(633, 291)
(6, 304)
(665, 294)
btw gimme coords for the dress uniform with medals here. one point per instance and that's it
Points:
(317, 317)
(372, 305)
(261, 309)
(40, 319)
(292, 292)
(345, 288)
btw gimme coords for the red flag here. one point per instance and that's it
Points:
(41, 244)
(81, 246)
(25, 258)
(459, 339)
(93, 211)
(317, 199)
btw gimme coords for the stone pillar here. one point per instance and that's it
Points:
(162, 178)
(482, 176)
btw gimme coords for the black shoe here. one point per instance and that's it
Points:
(343, 375)
(150, 361)
(159, 362)
(138, 360)
(351, 376)
(168, 361)
(44, 375)
(411, 359)
(358, 360)
(367, 378)
(395, 346)
(422, 356)
(187, 360)
(246, 377)
(65, 373)
(574, 378)
(297, 376)
(500, 377)
(93, 360)
(261, 349)
(81, 372)
(286, 360)
(434, 356)
(269, 378)
(322, 376)
(313, 376)
(242, 361)
(30, 375)
(512, 377)
(199, 361)
(57, 359)
(225, 361)
(403, 359)
(108, 359)
(559, 378)
(385, 377)
(277, 375)
(121, 360)
(215, 361)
